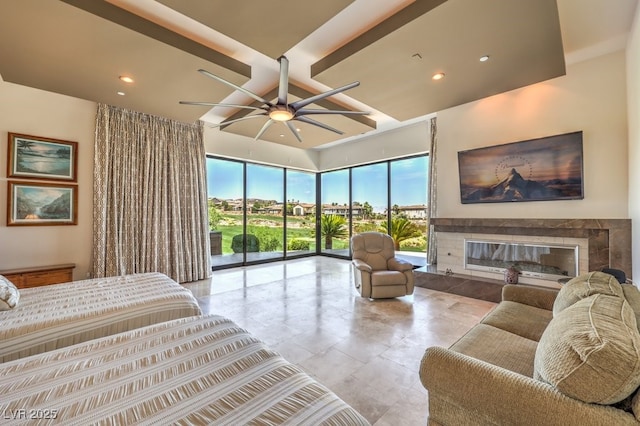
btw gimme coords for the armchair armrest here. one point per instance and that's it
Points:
(465, 390)
(529, 295)
(396, 264)
(361, 265)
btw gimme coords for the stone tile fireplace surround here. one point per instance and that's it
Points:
(607, 242)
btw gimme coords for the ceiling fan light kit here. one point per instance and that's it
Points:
(282, 111)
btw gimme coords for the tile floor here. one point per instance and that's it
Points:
(367, 351)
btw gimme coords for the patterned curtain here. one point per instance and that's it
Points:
(150, 197)
(432, 195)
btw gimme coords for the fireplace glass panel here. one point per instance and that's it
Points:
(532, 260)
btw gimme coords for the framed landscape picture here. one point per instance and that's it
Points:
(41, 204)
(34, 157)
(548, 168)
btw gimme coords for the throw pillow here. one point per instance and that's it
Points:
(584, 286)
(9, 294)
(591, 351)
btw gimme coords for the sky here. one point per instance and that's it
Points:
(369, 183)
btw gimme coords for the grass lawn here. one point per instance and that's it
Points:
(269, 230)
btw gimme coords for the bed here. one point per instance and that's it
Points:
(55, 316)
(197, 370)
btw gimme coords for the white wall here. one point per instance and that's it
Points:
(591, 97)
(400, 142)
(633, 105)
(403, 141)
(39, 113)
(229, 145)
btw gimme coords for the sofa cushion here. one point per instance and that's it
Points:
(498, 347)
(584, 286)
(517, 318)
(632, 294)
(591, 351)
(9, 294)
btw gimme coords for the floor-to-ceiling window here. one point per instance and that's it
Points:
(265, 212)
(301, 213)
(225, 185)
(389, 196)
(408, 185)
(369, 192)
(261, 213)
(335, 213)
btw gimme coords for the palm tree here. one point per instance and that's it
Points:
(28, 145)
(333, 226)
(401, 229)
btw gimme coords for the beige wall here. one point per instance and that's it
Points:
(591, 97)
(40, 113)
(633, 102)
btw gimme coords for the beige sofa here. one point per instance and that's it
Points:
(543, 357)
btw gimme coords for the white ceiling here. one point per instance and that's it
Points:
(392, 47)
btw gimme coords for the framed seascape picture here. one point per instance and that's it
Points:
(34, 157)
(548, 168)
(41, 204)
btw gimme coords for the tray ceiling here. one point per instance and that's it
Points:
(80, 48)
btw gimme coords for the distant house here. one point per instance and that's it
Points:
(418, 211)
(303, 209)
(342, 210)
(275, 209)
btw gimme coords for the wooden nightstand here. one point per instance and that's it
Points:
(40, 275)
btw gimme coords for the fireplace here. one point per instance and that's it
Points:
(542, 261)
(601, 242)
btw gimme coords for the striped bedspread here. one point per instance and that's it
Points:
(60, 315)
(190, 371)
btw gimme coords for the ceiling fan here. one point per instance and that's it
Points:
(282, 111)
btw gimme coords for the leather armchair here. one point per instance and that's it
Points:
(377, 272)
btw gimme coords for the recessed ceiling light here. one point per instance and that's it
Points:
(438, 76)
(126, 79)
(484, 58)
(121, 93)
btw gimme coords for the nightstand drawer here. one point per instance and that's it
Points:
(40, 276)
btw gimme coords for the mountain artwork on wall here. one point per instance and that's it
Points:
(548, 168)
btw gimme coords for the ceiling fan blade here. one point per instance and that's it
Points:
(317, 123)
(264, 128)
(224, 123)
(304, 102)
(293, 130)
(221, 105)
(329, 111)
(283, 87)
(235, 86)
